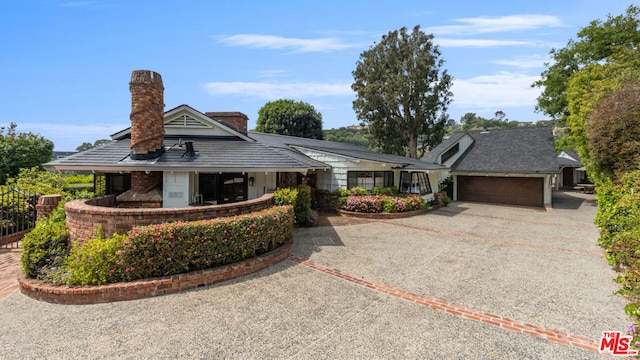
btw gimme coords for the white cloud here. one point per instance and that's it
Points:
(505, 89)
(279, 42)
(524, 62)
(278, 90)
(483, 24)
(481, 43)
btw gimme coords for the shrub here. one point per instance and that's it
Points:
(389, 191)
(285, 196)
(358, 191)
(173, 248)
(365, 204)
(388, 205)
(302, 209)
(95, 262)
(46, 245)
(78, 179)
(342, 192)
(300, 198)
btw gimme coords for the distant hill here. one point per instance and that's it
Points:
(352, 135)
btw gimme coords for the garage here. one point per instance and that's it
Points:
(525, 191)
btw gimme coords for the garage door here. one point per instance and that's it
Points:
(501, 190)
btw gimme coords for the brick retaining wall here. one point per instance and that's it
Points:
(396, 215)
(83, 295)
(85, 216)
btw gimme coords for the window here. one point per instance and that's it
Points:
(222, 188)
(449, 153)
(414, 183)
(369, 179)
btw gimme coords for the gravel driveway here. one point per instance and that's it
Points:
(469, 281)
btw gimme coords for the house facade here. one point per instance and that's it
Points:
(507, 166)
(572, 171)
(183, 157)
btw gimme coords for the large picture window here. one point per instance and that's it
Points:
(369, 179)
(415, 183)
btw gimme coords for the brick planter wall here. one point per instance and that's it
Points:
(85, 216)
(151, 287)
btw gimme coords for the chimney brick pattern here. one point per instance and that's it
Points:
(147, 115)
(236, 120)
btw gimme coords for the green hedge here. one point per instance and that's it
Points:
(173, 248)
(618, 220)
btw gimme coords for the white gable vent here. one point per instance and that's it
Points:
(185, 121)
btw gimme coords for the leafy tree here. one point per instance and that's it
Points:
(588, 88)
(288, 117)
(87, 145)
(595, 43)
(402, 92)
(21, 150)
(352, 136)
(613, 135)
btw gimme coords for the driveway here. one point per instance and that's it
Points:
(467, 281)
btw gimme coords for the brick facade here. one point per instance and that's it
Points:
(236, 120)
(85, 216)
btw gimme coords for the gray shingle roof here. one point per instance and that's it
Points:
(522, 150)
(213, 155)
(343, 149)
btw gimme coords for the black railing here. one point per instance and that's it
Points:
(17, 216)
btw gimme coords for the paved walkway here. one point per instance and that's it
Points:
(467, 281)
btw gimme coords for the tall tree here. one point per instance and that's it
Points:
(402, 92)
(595, 43)
(288, 117)
(21, 150)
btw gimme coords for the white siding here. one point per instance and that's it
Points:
(262, 184)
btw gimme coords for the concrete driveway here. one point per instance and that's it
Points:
(471, 281)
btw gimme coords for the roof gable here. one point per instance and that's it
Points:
(184, 121)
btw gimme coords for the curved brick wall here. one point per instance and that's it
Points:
(151, 287)
(85, 216)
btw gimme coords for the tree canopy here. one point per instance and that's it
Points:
(596, 42)
(21, 150)
(354, 136)
(87, 145)
(402, 92)
(288, 117)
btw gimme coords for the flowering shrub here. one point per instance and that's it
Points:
(365, 204)
(383, 203)
(173, 248)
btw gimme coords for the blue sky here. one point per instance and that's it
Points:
(65, 65)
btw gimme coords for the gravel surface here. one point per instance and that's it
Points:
(526, 264)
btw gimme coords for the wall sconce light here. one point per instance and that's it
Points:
(251, 181)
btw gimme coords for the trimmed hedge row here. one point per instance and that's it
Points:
(154, 250)
(174, 248)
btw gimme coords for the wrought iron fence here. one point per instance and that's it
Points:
(17, 216)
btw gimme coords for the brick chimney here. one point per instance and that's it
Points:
(147, 115)
(147, 139)
(234, 119)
